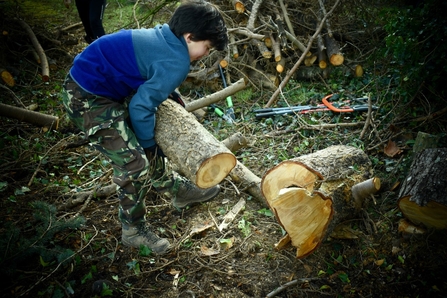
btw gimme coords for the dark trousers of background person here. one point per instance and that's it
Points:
(91, 13)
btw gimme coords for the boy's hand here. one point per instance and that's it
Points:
(176, 97)
(153, 151)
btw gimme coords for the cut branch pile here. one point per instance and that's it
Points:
(267, 41)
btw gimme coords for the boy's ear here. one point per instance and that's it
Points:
(187, 37)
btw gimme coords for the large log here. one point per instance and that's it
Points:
(422, 197)
(198, 155)
(311, 194)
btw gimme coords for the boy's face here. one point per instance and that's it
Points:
(197, 49)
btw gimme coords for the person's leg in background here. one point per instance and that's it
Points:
(83, 7)
(96, 14)
(91, 13)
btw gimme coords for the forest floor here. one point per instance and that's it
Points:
(53, 252)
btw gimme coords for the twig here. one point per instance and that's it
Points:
(254, 13)
(368, 118)
(134, 14)
(89, 198)
(286, 17)
(40, 161)
(18, 101)
(234, 186)
(289, 284)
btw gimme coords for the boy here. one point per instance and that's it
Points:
(145, 65)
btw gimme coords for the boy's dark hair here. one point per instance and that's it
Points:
(203, 20)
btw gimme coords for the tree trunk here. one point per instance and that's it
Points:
(311, 194)
(422, 198)
(198, 155)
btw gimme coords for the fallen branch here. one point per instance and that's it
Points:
(78, 198)
(36, 118)
(39, 49)
(215, 97)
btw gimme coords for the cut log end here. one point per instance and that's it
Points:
(337, 59)
(288, 174)
(304, 216)
(358, 71)
(239, 7)
(432, 215)
(364, 189)
(322, 64)
(223, 63)
(215, 169)
(7, 77)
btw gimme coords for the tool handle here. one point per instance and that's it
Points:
(335, 109)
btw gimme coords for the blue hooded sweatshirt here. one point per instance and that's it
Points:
(149, 63)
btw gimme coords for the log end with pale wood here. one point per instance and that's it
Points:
(311, 194)
(194, 151)
(214, 169)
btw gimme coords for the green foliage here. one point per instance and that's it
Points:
(39, 241)
(266, 212)
(244, 226)
(415, 47)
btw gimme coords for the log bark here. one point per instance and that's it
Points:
(422, 197)
(36, 118)
(310, 195)
(253, 15)
(198, 155)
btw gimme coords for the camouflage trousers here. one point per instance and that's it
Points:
(104, 122)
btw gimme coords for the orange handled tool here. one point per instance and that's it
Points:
(346, 109)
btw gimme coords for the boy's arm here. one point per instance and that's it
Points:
(149, 96)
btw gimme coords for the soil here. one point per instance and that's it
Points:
(87, 259)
